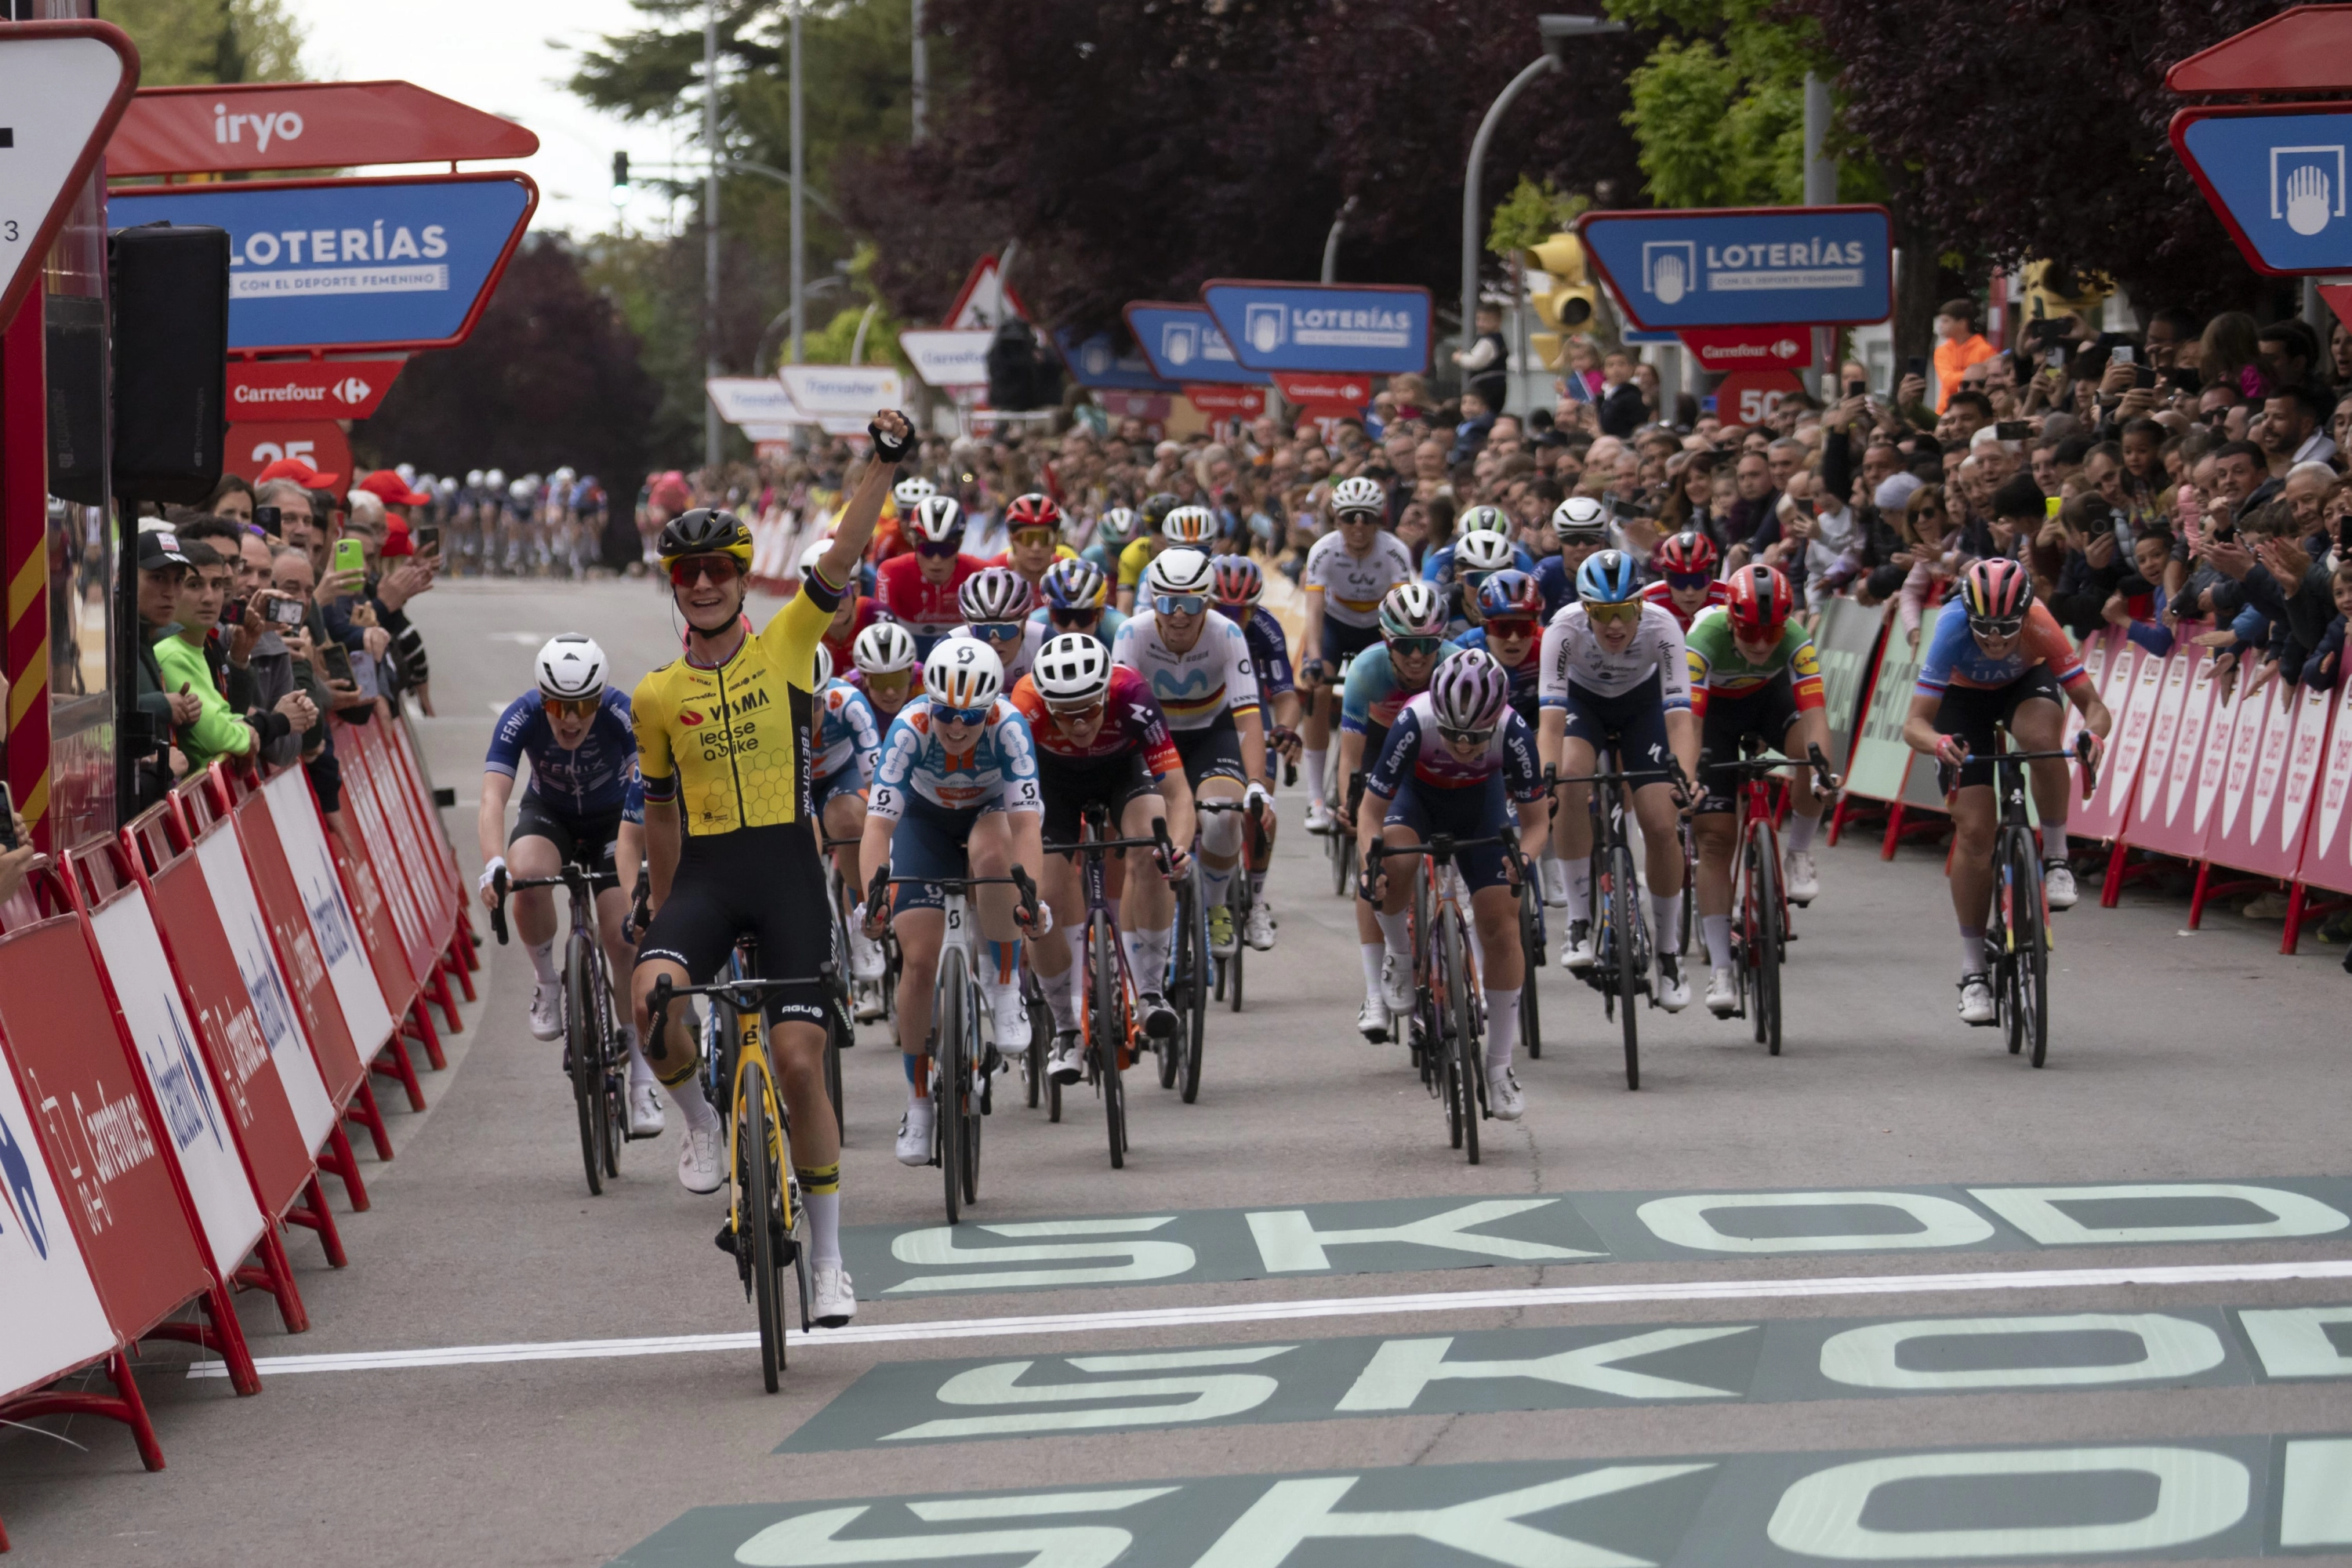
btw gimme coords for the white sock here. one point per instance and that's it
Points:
(1146, 956)
(1580, 887)
(1667, 917)
(2053, 837)
(1257, 887)
(1213, 881)
(1971, 951)
(686, 1095)
(1061, 996)
(1314, 765)
(1502, 1026)
(1393, 932)
(641, 1071)
(824, 1210)
(1374, 952)
(542, 959)
(1718, 938)
(1801, 832)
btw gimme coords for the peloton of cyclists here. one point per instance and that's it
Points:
(1349, 574)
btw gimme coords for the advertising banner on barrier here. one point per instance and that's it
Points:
(164, 1040)
(1880, 758)
(303, 837)
(379, 935)
(115, 1189)
(381, 854)
(299, 957)
(419, 858)
(2327, 852)
(1846, 638)
(2228, 840)
(56, 1321)
(2305, 757)
(273, 1011)
(2136, 681)
(2164, 817)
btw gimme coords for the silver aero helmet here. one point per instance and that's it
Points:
(1358, 494)
(995, 594)
(1181, 570)
(963, 672)
(912, 491)
(1580, 520)
(572, 668)
(1482, 551)
(883, 648)
(937, 519)
(1072, 670)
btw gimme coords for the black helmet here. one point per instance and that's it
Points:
(1155, 512)
(706, 531)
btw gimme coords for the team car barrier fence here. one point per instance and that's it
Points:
(191, 1014)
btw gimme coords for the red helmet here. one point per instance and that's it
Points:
(1032, 510)
(1997, 590)
(1687, 552)
(1759, 602)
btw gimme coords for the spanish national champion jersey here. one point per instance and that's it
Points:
(727, 744)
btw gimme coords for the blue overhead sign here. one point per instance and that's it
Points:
(346, 264)
(2276, 177)
(1182, 343)
(1370, 329)
(1750, 266)
(1100, 362)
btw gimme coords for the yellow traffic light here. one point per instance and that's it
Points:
(1566, 297)
(2051, 290)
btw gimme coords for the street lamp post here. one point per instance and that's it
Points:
(800, 179)
(711, 227)
(1555, 31)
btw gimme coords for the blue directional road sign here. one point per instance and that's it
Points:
(2276, 177)
(1370, 329)
(345, 263)
(1098, 362)
(1182, 343)
(1746, 266)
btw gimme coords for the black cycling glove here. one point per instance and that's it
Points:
(889, 447)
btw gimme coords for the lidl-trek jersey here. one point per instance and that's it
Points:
(1718, 665)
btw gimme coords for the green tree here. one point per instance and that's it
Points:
(1533, 212)
(189, 42)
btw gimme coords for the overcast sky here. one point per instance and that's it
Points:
(510, 57)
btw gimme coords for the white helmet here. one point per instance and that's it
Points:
(936, 520)
(1177, 570)
(1072, 670)
(912, 491)
(494, 479)
(811, 556)
(571, 668)
(883, 648)
(562, 475)
(1580, 518)
(963, 672)
(823, 668)
(474, 479)
(1189, 525)
(1482, 551)
(995, 594)
(1358, 494)
(407, 472)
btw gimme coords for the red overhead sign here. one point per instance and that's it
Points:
(1312, 387)
(1752, 396)
(317, 442)
(1223, 402)
(1751, 347)
(2300, 50)
(307, 389)
(303, 125)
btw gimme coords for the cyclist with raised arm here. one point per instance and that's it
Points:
(1753, 673)
(1614, 667)
(574, 728)
(1349, 573)
(1076, 599)
(848, 742)
(724, 737)
(1687, 582)
(919, 590)
(1998, 657)
(1455, 761)
(1240, 584)
(995, 602)
(1380, 683)
(1581, 526)
(1136, 557)
(1102, 740)
(955, 796)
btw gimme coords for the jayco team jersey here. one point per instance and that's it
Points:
(1373, 696)
(1955, 659)
(1194, 686)
(1032, 637)
(590, 782)
(848, 732)
(1269, 646)
(1354, 586)
(1415, 749)
(925, 608)
(998, 772)
(1572, 654)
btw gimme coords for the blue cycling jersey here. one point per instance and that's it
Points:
(999, 772)
(1372, 695)
(593, 781)
(849, 733)
(1414, 749)
(1523, 679)
(1269, 648)
(1106, 623)
(1559, 585)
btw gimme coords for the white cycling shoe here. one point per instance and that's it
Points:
(1722, 994)
(1673, 991)
(1976, 1000)
(2058, 884)
(915, 1135)
(646, 1117)
(1802, 882)
(871, 1003)
(701, 1163)
(866, 960)
(833, 1303)
(1011, 1016)
(1372, 1023)
(1396, 984)
(1576, 949)
(1319, 816)
(1503, 1097)
(1258, 930)
(546, 1011)
(1067, 1064)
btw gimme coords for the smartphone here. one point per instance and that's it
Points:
(2143, 376)
(1915, 365)
(7, 820)
(2055, 359)
(350, 556)
(266, 518)
(428, 539)
(1857, 389)
(338, 664)
(284, 612)
(233, 612)
(2012, 430)
(2120, 354)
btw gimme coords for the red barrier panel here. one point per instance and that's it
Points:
(431, 872)
(462, 956)
(2129, 681)
(2327, 853)
(2164, 818)
(382, 851)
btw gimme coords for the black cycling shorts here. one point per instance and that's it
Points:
(1635, 721)
(1343, 641)
(1070, 786)
(1766, 713)
(1212, 752)
(587, 842)
(767, 882)
(1971, 712)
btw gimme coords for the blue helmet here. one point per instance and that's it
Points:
(1607, 577)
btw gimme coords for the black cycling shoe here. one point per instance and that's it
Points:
(1160, 1020)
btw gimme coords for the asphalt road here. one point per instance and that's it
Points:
(1688, 1325)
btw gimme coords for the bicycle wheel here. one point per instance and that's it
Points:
(837, 1022)
(1229, 974)
(1690, 885)
(756, 1207)
(1467, 1065)
(1168, 1048)
(1531, 941)
(949, 1070)
(1107, 1028)
(1764, 869)
(1194, 1037)
(579, 1045)
(2030, 951)
(1622, 920)
(614, 1103)
(1041, 1034)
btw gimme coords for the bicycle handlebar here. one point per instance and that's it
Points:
(572, 877)
(2081, 751)
(746, 994)
(1016, 878)
(1671, 774)
(1441, 847)
(1828, 781)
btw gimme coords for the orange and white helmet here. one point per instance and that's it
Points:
(963, 672)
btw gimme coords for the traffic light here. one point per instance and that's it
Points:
(1569, 303)
(620, 168)
(2051, 290)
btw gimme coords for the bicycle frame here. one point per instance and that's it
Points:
(1093, 851)
(602, 1105)
(1441, 944)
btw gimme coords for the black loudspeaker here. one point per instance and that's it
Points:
(169, 284)
(75, 353)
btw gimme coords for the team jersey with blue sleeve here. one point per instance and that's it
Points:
(998, 773)
(1414, 749)
(1558, 582)
(593, 781)
(849, 732)
(1372, 695)
(1269, 648)
(1524, 678)
(1106, 630)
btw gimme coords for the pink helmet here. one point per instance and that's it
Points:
(1468, 692)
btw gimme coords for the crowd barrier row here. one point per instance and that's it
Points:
(2248, 787)
(193, 1015)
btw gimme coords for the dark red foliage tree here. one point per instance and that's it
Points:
(1135, 149)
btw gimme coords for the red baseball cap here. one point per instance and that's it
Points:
(300, 472)
(385, 485)
(397, 541)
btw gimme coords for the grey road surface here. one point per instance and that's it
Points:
(1891, 1297)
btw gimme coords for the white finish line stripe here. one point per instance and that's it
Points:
(1326, 1307)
